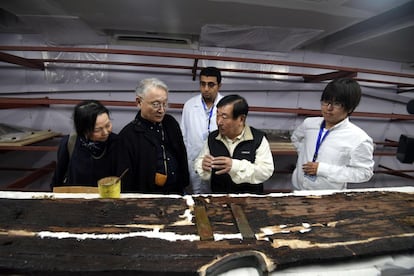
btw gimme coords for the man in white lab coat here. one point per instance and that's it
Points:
(333, 151)
(198, 120)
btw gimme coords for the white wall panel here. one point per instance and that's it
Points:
(119, 85)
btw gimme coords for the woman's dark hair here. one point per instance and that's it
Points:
(240, 106)
(345, 91)
(84, 116)
(211, 72)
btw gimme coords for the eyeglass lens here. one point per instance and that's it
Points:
(333, 104)
(157, 105)
(210, 84)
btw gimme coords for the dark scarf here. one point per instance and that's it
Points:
(96, 148)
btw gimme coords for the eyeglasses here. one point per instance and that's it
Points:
(158, 105)
(210, 84)
(336, 105)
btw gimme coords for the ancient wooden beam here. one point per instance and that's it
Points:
(203, 224)
(242, 222)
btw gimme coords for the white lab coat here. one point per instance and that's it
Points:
(345, 155)
(194, 126)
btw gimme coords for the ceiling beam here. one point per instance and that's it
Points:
(202, 57)
(26, 62)
(330, 76)
(396, 19)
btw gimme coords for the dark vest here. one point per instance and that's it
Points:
(244, 150)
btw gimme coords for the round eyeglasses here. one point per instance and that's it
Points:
(336, 105)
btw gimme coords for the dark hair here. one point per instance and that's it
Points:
(240, 106)
(84, 116)
(211, 72)
(345, 91)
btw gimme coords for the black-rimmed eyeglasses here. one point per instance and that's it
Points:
(336, 105)
(210, 84)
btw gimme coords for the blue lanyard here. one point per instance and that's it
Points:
(209, 115)
(320, 140)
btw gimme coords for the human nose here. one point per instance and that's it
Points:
(106, 130)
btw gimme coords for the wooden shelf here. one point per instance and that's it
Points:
(10, 102)
(26, 144)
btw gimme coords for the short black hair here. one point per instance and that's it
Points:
(240, 106)
(84, 116)
(345, 91)
(211, 72)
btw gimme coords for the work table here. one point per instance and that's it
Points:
(50, 232)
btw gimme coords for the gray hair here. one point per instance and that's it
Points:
(146, 84)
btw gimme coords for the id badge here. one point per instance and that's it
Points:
(205, 135)
(311, 177)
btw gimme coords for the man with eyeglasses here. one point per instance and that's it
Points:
(236, 158)
(332, 151)
(198, 120)
(151, 147)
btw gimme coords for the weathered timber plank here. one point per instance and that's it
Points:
(203, 224)
(35, 136)
(242, 222)
(292, 230)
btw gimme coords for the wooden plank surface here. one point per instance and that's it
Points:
(76, 189)
(203, 224)
(35, 136)
(281, 146)
(241, 222)
(157, 235)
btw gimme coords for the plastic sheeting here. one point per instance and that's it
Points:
(76, 73)
(256, 38)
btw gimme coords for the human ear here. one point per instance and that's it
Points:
(138, 101)
(243, 118)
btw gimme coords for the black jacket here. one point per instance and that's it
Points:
(138, 152)
(82, 168)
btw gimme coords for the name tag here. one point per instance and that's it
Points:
(245, 152)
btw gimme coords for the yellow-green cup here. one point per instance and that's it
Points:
(109, 187)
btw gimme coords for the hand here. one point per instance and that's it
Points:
(222, 164)
(206, 164)
(310, 168)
